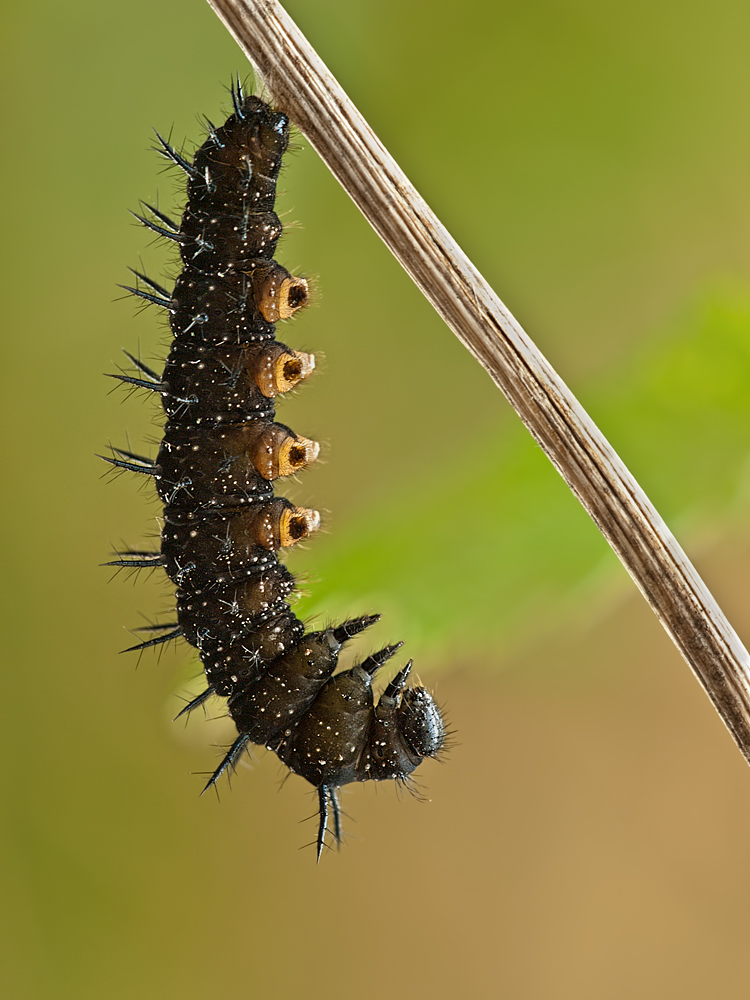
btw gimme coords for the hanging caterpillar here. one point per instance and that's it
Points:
(218, 459)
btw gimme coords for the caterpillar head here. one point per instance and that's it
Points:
(406, 727)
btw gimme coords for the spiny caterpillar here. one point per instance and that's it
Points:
(220, 454)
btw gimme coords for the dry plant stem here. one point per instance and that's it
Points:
(300, 84)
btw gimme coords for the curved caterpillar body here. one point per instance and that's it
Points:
(214, 472)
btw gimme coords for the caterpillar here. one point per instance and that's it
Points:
(219, 457)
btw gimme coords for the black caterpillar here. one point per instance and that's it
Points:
(220, 454)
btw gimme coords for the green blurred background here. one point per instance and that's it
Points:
(587, 836)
